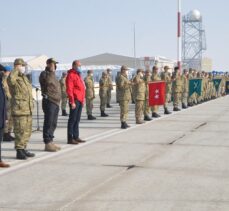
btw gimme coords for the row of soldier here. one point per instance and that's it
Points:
(137, 91)
(18, 93)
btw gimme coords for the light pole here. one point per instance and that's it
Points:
(179, 62)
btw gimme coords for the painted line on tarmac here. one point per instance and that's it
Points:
(95, 138)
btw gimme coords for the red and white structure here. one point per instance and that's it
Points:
(179, 60)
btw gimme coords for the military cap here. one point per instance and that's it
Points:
(19, 61)
(167, 67)
(51, 60)
(124, 68)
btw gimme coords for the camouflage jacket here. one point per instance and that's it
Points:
(21, 92)
(90, 91)
(140, 88)
(124, 86)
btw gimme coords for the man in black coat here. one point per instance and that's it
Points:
(2, 115)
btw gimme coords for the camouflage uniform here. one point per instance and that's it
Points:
(155, 77)
(184, 97)
(103, 90)
(167, 78)
(110, 88)
(9, 124)
(177, 90)
(90, 94)
(64, 97)
(117, 90)
(147, 108)
(22, 107)
(140, 88)
(124, 86)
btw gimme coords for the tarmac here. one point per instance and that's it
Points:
(178, 162)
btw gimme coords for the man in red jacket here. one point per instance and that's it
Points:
(75, 88)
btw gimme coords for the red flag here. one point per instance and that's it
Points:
(156, 93)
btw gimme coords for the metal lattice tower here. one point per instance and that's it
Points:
(194, 40)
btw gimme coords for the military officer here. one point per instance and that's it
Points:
(22, 108)
(117, 90)
(147, 108)
(103, 90)
(140, 88)
(177, 89)
(90, 94)
(167, 78)
(155, 77)
(110, 88)
(9, 125)
(64, 97)
(185, 81)
(124, 86)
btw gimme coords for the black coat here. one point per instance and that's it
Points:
(2, 105)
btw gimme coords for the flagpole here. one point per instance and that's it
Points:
(179, 35)
(135, 62)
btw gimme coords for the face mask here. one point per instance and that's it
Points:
(79, 70)
(22, 70)
(91, 74)
(141, 75)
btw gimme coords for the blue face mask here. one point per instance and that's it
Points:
(79, 70)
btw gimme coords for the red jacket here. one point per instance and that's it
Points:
(75, 87)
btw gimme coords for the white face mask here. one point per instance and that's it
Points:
(141, 74)
(22, 70)
(92, 74)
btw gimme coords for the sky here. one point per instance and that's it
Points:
(74, 29)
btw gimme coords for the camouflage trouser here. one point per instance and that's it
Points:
(22, 131)
(124, 109)
(103, 102)
(9, 124)
(109, 96)
(139, 109)
(155, 109)
(89, 106)
(117, 95)
(176, 99)
(184, 98)
(192, 98)
(147, 109)
(64, 102)
(167, 99)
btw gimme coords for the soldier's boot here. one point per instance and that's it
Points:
(176, 109)
(109, 106)
(21, 155)
(155, 115)
(64, 113)
(147, 118)
(190, 104)
(28, 154)
(50, 147)
(90, 117)
(103, 114)
(166, 111)
(127, 124)
(123, 125)
(7, 137)
(184, 106)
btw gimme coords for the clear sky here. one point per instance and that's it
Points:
(70, 29)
